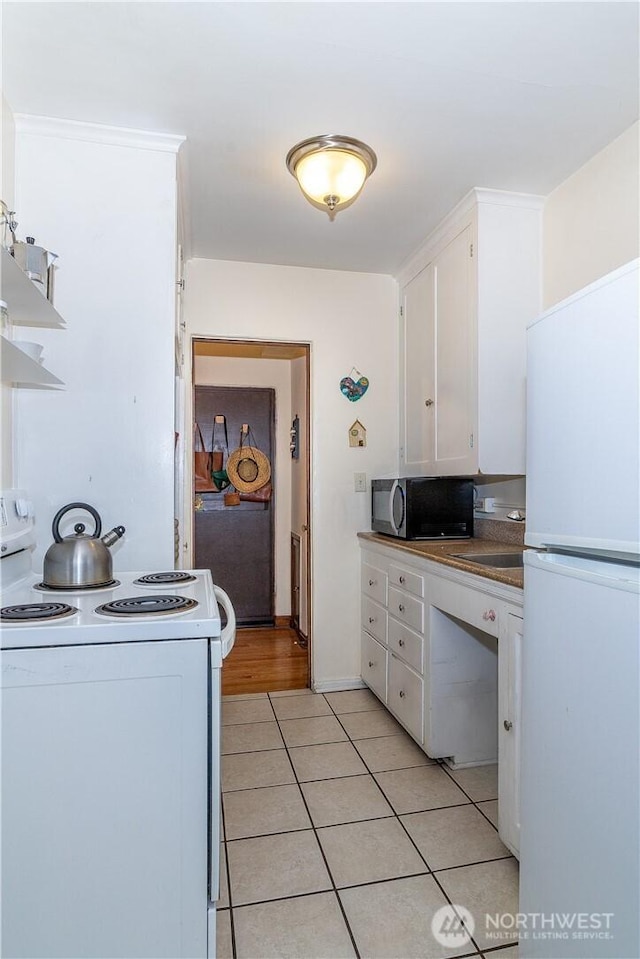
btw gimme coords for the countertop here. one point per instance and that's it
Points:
(442, 553)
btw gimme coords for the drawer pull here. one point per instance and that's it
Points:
(371, 665)
(401, 579)
(401, 642)
(401, 694)
(372, 582)
(372, 619)
(489, 615)
(400, 608)
(507, 724)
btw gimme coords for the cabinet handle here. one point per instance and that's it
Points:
(428, 402)
(401, 694)
(372, 582)
(507, 724)
(372, 619)
(401, 579)
(371, 665)
(400, 608)
(401, 642)
(489, 615)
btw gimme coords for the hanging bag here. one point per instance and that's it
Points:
(262, 495)
(202, 481)
(218, 472)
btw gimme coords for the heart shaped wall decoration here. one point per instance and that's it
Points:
(354, 389)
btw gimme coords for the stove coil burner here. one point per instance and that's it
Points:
(171, 578)
(147, 606)
(36, 612)
(99, 587)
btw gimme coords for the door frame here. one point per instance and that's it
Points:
(257, 349)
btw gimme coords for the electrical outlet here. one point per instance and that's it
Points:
(360, 482)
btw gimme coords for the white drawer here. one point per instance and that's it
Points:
(405, 643)
(374, 619)
(374, 583)
(407, 609)
(469, 605)
(374, 665)
(406, 579)
(404, 696)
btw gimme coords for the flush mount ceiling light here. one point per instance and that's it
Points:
(331, 170)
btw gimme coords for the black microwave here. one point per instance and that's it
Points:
(423, 507)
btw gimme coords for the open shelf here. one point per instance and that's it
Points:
(19, 369)
(26, 304)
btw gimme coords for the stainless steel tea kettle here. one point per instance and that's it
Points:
(80, 561)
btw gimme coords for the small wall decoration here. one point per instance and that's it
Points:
(357, 434)
(354, 386)
(294, 433)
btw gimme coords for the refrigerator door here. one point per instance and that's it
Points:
(580, 759)
(583, 420)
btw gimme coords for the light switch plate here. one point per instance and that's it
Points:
(360, 482)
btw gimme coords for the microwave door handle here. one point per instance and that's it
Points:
(395, 486)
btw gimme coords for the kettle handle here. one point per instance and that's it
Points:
(65, 509)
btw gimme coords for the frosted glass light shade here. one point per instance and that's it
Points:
(332, 173)
(331, 170)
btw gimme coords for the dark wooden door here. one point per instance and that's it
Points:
(237, 542)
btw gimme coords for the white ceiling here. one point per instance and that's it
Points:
(511, 95)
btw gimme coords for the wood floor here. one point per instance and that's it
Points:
(265, 660)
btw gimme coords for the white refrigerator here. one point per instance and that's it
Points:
(580, 798)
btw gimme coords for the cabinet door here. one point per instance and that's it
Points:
(509, 682)
(417, 376)
(454, 357)
(404, 693)
(374, 665)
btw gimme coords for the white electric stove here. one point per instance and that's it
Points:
(172, 604)
(111, 758)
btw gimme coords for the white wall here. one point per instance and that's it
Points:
(272, 374)
(591, 221)
(350, 319)
(105, 202)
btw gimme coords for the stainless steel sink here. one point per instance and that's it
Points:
(496, 560)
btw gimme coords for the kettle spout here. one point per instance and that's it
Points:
(113, 535)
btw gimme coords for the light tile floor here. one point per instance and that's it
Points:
(342, 838)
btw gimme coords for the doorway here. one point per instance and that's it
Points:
(236, 542)
(277, 654)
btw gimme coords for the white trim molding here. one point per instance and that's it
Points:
(457, 218)
(337, 685)
(97, 133)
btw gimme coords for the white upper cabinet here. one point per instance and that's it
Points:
(465, 299)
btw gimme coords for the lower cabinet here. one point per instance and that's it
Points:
(374, 665)
(405, 696)
(441, 649)
(509, 715)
